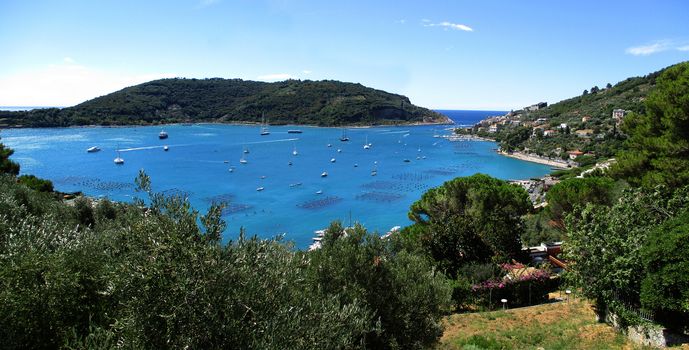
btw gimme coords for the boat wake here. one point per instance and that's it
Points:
(149, 147)
(271, 141)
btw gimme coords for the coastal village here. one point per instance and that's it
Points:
(567, 142)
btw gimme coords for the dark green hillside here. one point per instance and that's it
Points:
(234, 100)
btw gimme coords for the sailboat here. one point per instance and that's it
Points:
(118, 160)
(344, 137)
(246, 150)
(264, 126)
(243, 160)
(366, 144)
(294, 151)
(374, 171)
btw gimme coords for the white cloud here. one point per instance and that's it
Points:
(306, 71)
(449, 25)
(645, 50)
(275, 77)
(657, 46)
(401, 21)
(65, 84)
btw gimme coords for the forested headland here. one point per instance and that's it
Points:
(178, 100)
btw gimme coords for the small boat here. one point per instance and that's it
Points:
(423, 157)
(319, 192)
(263, 177)
(93, 149)
(418, 158)
(225, 161)
(332, 160)
(344, 137)
(260, 189)
(374, 172)
(264, 126)
(290, 163)
(295, 184)
(330, 145)
(231, 169)
(324, 174)
(119, 160)
(243, 161)
(246, 150)
(339, 150)
(162, 135)
(294, 151)
(166, 148)
(407, 160)
(294, 131)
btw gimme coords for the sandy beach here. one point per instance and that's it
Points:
(536, 159)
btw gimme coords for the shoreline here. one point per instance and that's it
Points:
(536, 159)
(353, 126)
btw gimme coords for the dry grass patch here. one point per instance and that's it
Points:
(549, 326)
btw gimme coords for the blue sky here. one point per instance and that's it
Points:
(480, 54)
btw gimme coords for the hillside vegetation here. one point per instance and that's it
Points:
(583, 123)
(325, 103)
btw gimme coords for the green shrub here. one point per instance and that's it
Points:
(665, 289)
(405, 294)
(35, 183)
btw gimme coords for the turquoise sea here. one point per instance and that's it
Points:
(295, 199)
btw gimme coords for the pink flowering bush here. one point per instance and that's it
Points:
(520, 286)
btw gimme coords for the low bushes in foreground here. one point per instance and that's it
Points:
(120, 276)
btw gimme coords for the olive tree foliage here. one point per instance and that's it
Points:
(605, 244)
(470, 219)
(404, 293)
(153, 277)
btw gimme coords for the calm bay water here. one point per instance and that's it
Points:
(200, 157)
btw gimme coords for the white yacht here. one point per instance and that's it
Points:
(93, 149)
(324, 174)
(119, 160)
(264, 126)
